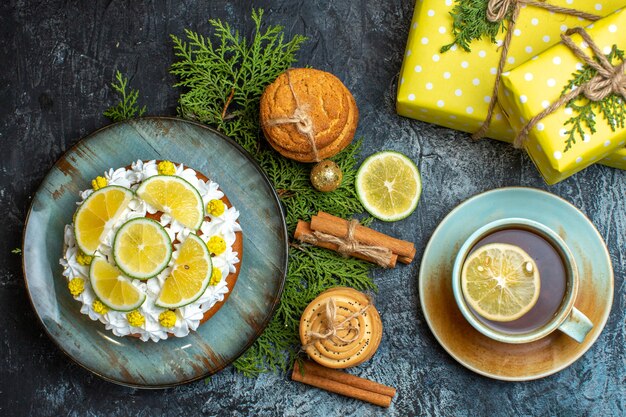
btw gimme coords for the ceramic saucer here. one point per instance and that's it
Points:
(501, 360)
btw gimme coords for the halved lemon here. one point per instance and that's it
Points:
(112, 288)
(174, 196)
(190, 275)
(97, 214)
(142, 248)
(388, 185)
(500, 282)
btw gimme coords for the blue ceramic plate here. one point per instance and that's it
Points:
(477, 352)
(232, 329)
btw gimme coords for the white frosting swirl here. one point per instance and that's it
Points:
(187, 317)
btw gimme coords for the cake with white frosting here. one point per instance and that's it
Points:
(153, 316)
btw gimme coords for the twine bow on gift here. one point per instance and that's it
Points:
(609, 79)
(300, 118)
(349, 245)
(333, 327)
(497, 10)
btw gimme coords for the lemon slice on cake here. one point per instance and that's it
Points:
(142, 248)
(97, 214)
(388, 185)
(112, 288)
(500, 282)
(174, 196)
(190, 274)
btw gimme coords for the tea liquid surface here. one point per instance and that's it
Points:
(552, 274)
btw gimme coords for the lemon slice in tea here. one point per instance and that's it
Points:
(142, 248)
(500, 282)
(388, 185)
(97, 214)
(190, 275)
(174, 196)
(112, 288)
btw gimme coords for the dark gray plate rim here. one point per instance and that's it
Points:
(281, 286)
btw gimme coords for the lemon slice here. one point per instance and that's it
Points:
(97, 214)
(388, 184)
(142, 248)
(112, 288)
(190, 275)
(500, 282)
(174, 196)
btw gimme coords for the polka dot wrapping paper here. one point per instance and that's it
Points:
(531, 87)
(616, 160)
(453, 88)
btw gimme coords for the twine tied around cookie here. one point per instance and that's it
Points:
(300, 118)
(497, 10)
(609, 79)
(349, 245)
(333, 327)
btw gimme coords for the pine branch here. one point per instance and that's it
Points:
(299, 199)
(127, 108)
(223, 78)
(469, 23)
(584, 120)
(311, 271)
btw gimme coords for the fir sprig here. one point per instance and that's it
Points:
(469, 23)
(311, 271)
(291, 180)
(127, 108)
(584, 119)
(223, 77)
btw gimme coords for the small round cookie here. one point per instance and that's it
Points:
(304, 104)
(361, 332)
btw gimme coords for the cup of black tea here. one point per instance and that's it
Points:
(516, 281)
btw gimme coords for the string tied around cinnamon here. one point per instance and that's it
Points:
(609, 79)
(497, 10)
(300, 118)
(333, 326)
(347, 245)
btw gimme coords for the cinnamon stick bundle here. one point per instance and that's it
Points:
(328, 224)
(343, 383)
(304, 231)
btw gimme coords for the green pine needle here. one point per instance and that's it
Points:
(127, 108)
(469, 23)
(612, 107)
(300, 200)
(224, 80)
(311, 271)
(223, 77)
(16, 251)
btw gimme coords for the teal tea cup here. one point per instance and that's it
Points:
(565, 318)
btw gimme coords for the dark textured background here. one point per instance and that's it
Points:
(56, 61)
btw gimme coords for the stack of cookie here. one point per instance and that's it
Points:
(308, 115)
(340, 328)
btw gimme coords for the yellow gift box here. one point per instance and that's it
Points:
(616, 160)
(453, 88)
(533, 86)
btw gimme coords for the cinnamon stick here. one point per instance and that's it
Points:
(303, 229)
(406, 259)
(312, 379)
(346, 378)
(336, 226)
